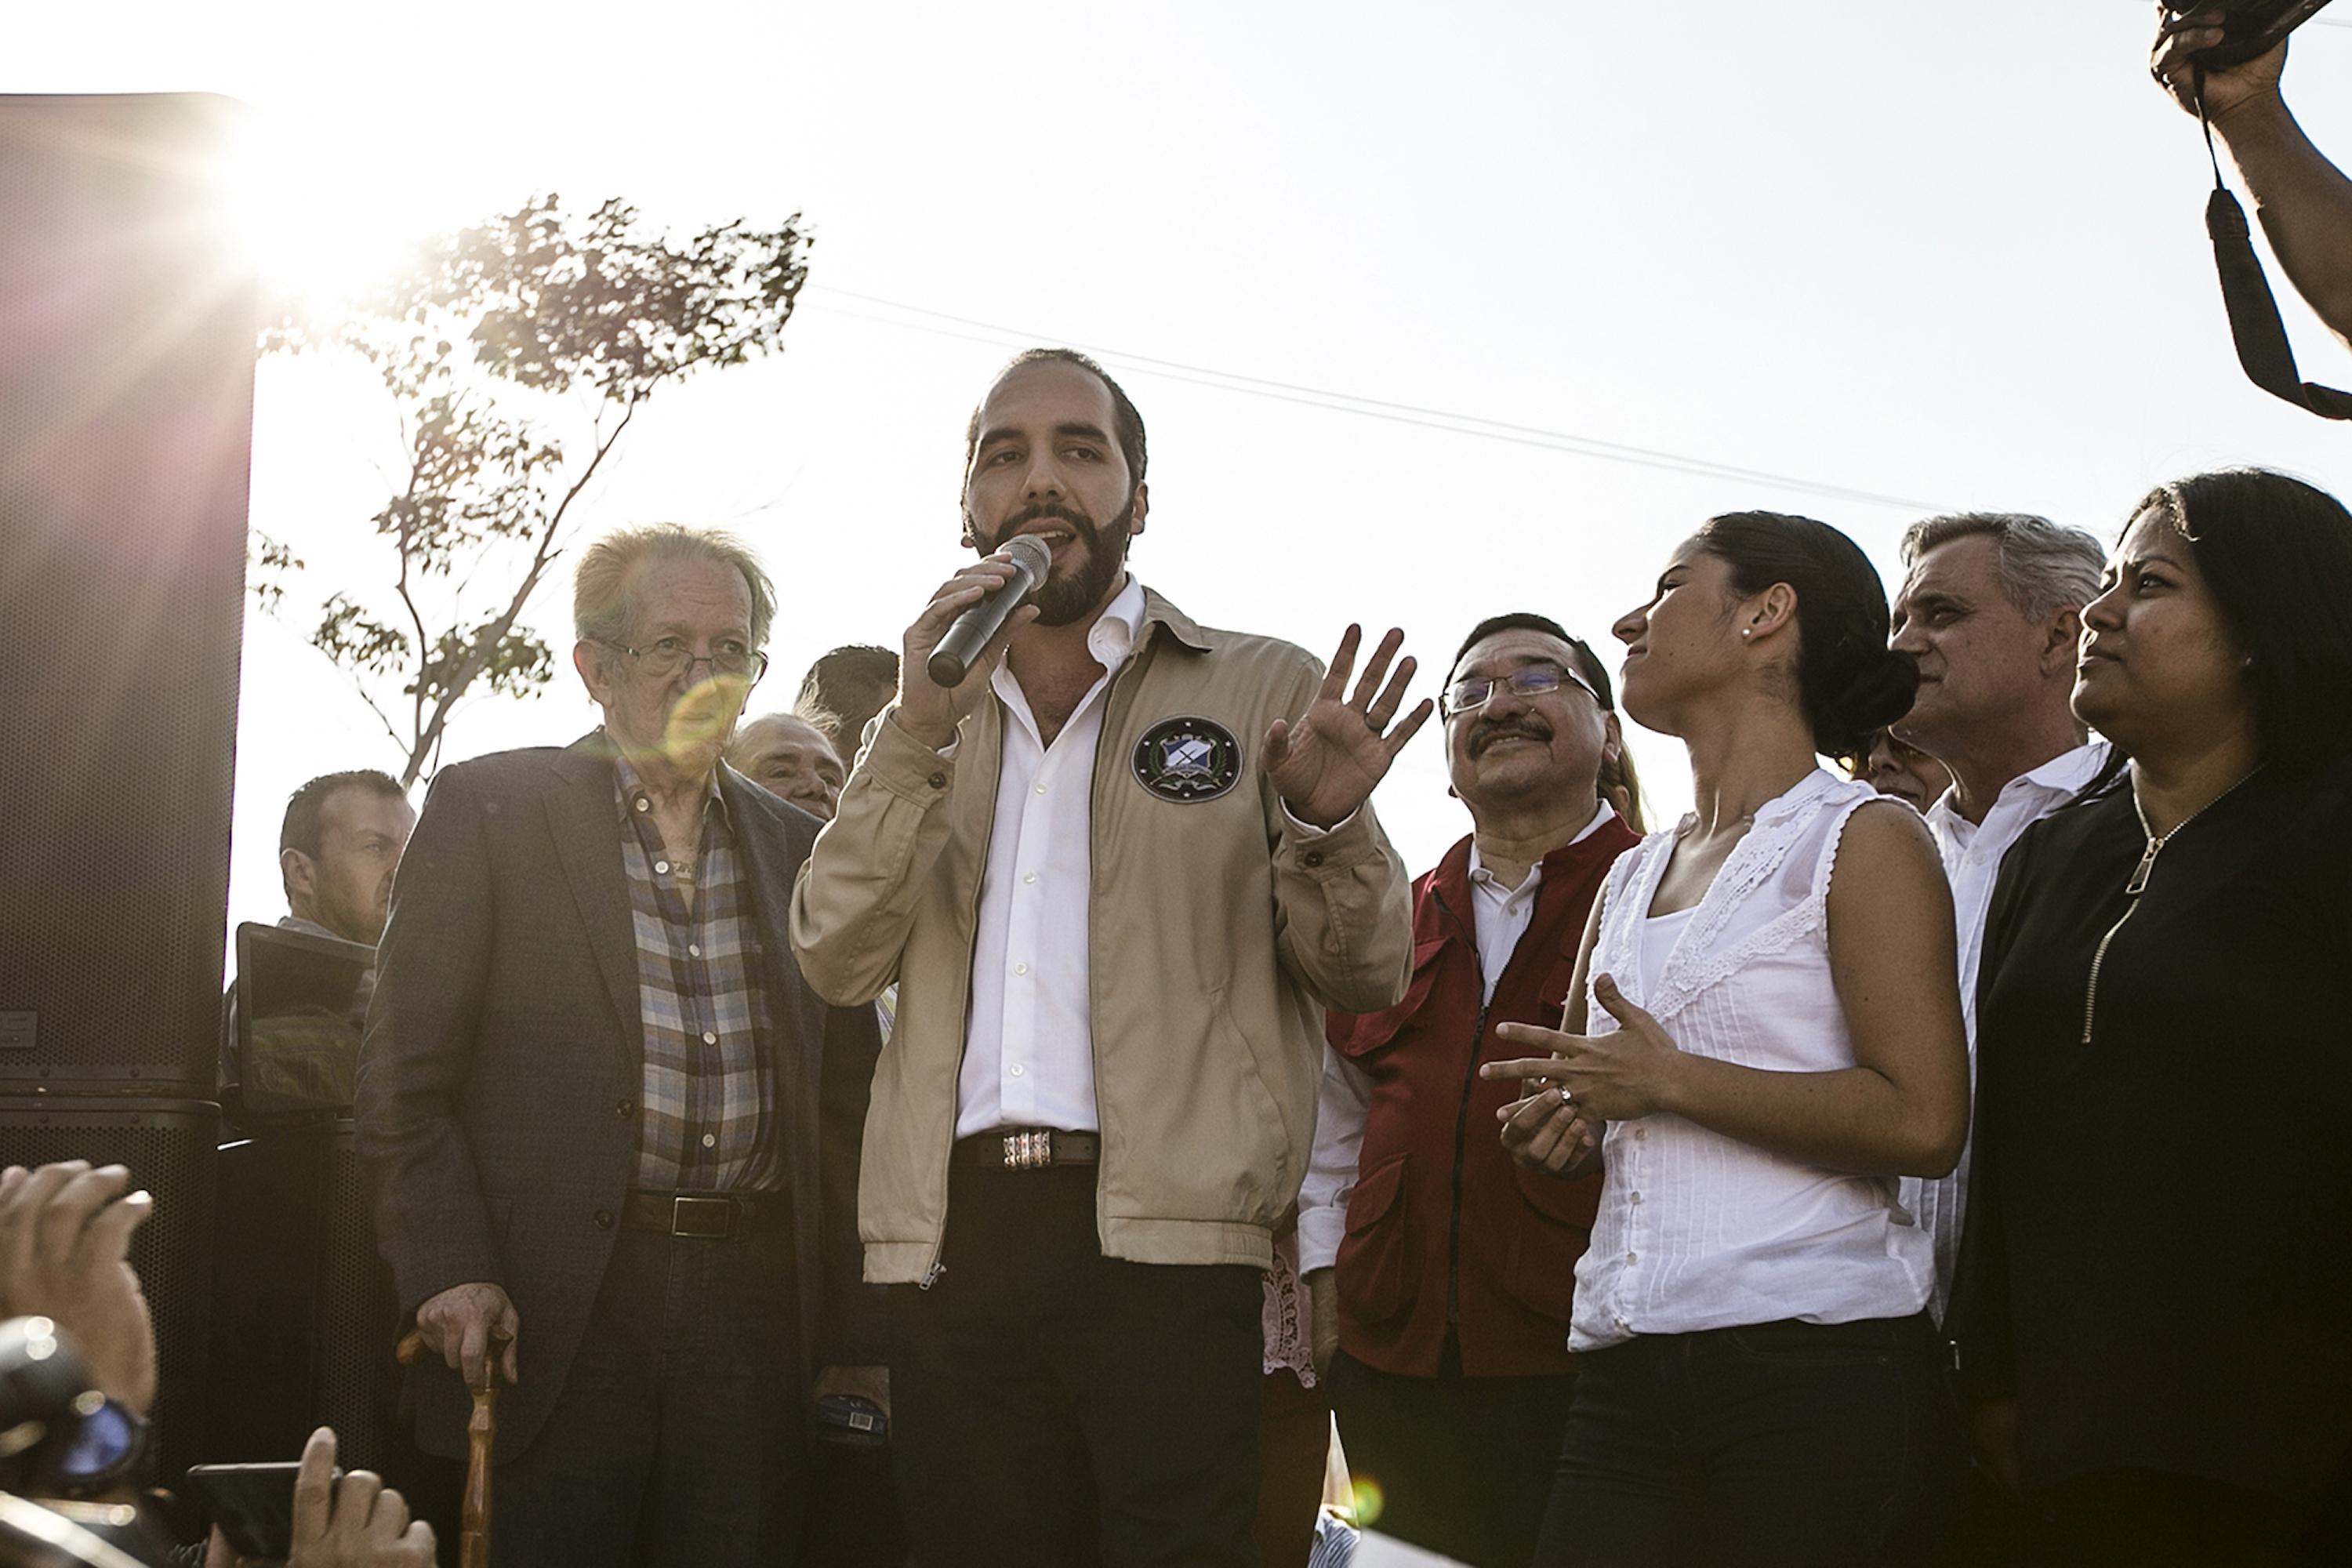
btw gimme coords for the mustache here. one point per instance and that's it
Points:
(1485, 735)
(1060, 511)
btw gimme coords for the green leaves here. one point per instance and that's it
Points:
(476, 343)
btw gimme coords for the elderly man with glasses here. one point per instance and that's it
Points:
(1440, 1272)
(591, 1096)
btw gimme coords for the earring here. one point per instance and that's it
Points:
(1747, 631)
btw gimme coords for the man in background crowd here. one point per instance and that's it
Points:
(1440, 1271)
(2304, 200)
(790, 758)
(1896, 767)
(591, 1091)
(1073, 1184)
(844, 689)
(1991, 606)
(337, 850)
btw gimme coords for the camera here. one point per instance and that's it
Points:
(2249, 27)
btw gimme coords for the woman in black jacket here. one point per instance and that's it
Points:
(2153, 1310)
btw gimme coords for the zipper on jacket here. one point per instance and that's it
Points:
(1461, 1148)
(2134, 889)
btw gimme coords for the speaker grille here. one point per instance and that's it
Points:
(358, 1318)
(126, 403)
(170, 1147)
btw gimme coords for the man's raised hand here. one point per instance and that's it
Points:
(2172, 61)
(928, 711)
(1325, 764)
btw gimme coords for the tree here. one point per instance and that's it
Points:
(475, 343)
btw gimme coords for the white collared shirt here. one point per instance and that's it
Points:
(1500, 915)
(1503, 914)
(1028, 1059)
(1972, 854)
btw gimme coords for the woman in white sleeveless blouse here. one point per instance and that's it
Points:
(1765, 1034)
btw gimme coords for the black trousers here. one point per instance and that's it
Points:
(1050, 1406)
(1783, 1445)
(681, 1433)
(2150, 1519)
(1463, 1466)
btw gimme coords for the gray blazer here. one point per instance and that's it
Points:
(504, 1056)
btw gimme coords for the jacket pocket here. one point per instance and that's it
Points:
(1554, 1223)
(1378, 1268)
(1357, 1035)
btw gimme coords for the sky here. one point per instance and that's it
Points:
(1432, 312)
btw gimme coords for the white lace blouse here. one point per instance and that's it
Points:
(1698, 1230)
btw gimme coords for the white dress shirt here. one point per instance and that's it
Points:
(1698, 1230)
(1029, 1058)
(1972, 854)
(1500, 915)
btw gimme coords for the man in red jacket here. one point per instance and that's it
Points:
(1443, 1326)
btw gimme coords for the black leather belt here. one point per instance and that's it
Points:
(707, 1217)
(1027, 1149)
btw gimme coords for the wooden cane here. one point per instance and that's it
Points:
(481, 1441)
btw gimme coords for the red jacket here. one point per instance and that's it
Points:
(1444, 1228)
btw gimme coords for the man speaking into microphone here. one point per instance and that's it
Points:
(1117, 872)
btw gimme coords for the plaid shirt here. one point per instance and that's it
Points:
(703, 1125)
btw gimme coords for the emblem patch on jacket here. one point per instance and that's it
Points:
(1187, 760)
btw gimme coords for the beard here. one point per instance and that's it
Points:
(1068, 597)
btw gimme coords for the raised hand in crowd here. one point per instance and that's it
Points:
(927, 711)
(2304, 200)
(458, 1325)
(65, 1249)
(348, 1521)
(1325, 762)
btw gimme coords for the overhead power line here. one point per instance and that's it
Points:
(1448, 420)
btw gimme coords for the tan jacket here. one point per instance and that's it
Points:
(1219, 934)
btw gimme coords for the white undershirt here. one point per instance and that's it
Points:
(1972, 854)
(1029, 1058)
(1503, 914)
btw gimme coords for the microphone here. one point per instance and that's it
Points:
(951, 660)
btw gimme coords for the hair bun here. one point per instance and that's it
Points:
(1879, 691)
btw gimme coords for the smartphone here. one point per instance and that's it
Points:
(851, 1422)
(253, 1505)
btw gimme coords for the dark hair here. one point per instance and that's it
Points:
(300, 830)
(2277, 554)
(1618, 783)
(1126, 425)
(845, 689)
(1849, 682)
(1588, 663)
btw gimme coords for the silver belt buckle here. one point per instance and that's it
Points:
(1028, 1151)
(706, 1219)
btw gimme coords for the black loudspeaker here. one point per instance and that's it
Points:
(127, 336)
(170, 1147)
(304, 1314)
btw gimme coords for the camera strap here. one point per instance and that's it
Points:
(2261, 336)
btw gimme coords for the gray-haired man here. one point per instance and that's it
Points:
(1991, 607)
(589, 1101)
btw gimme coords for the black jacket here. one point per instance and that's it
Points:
(503, 1060)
